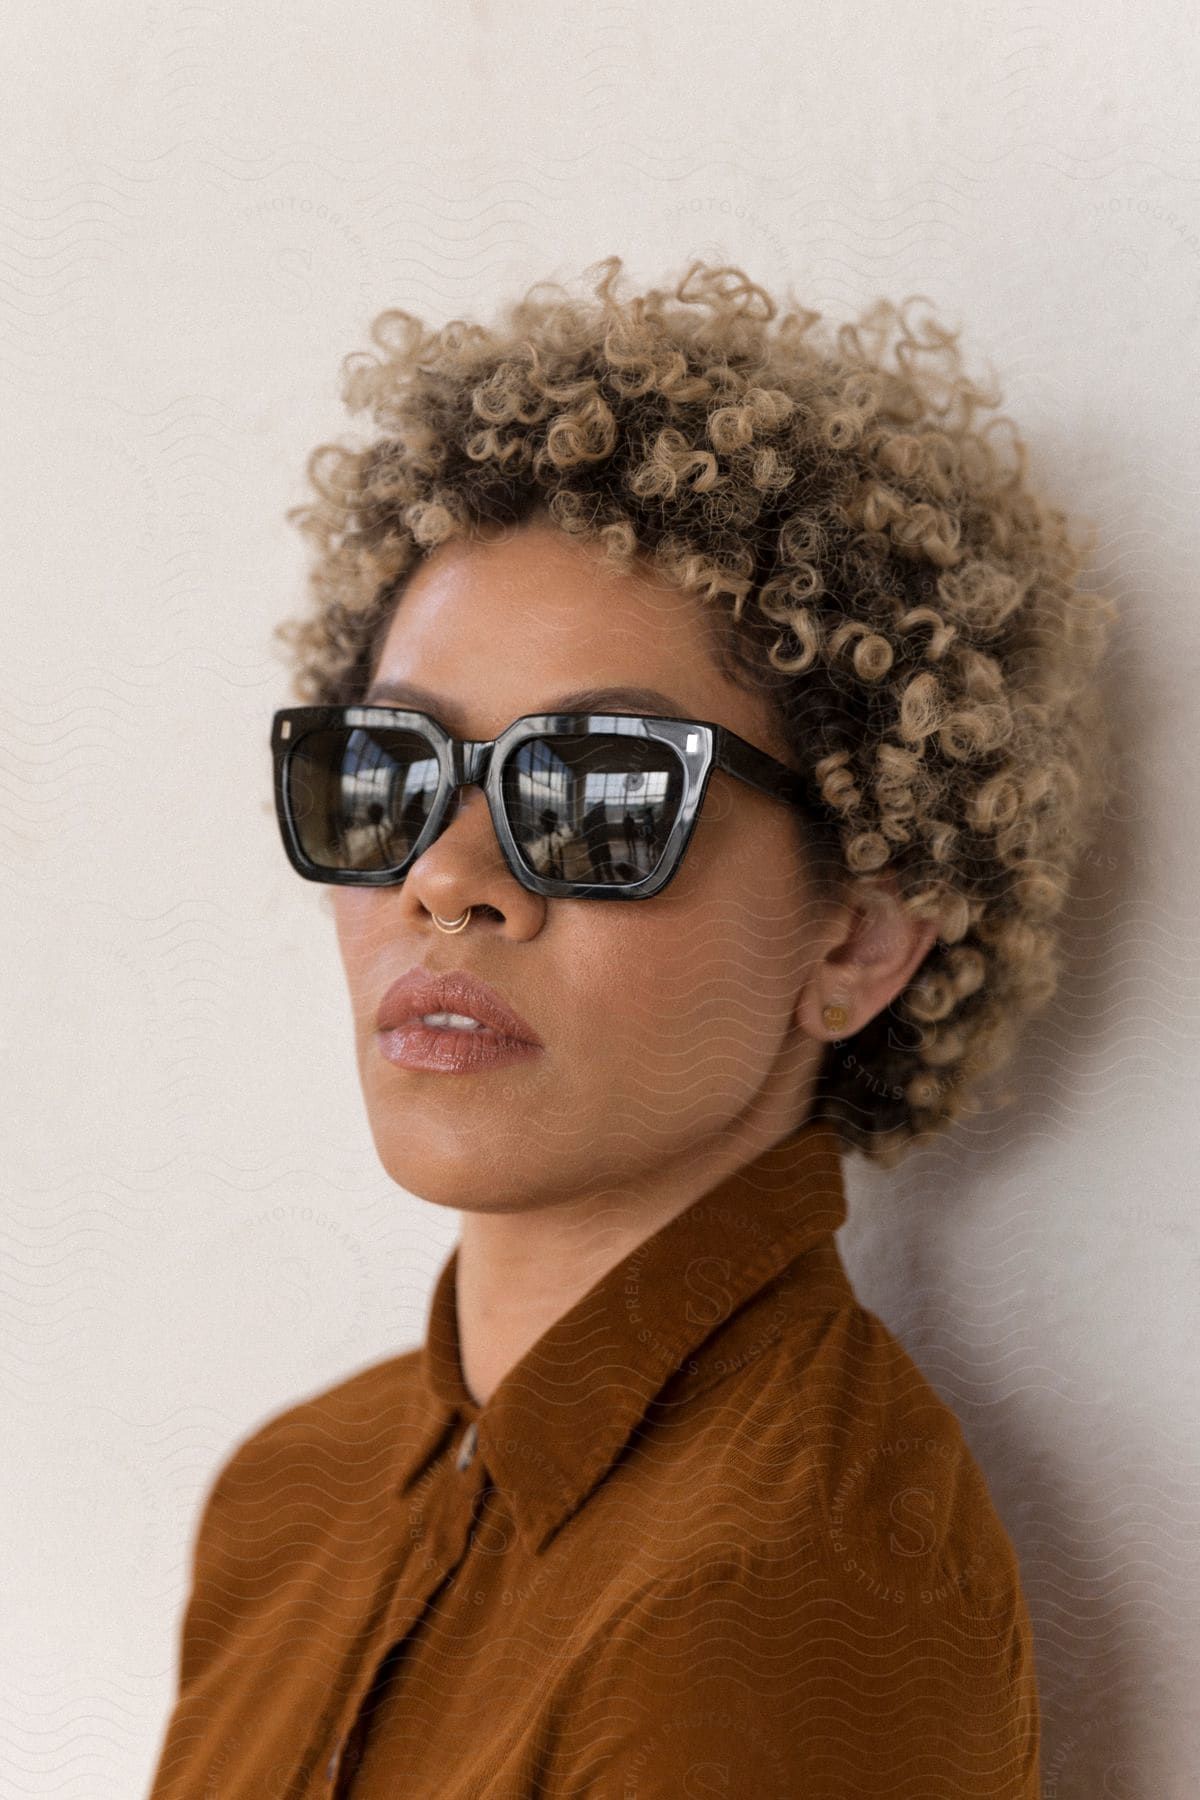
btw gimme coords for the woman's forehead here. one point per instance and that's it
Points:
(536, 621)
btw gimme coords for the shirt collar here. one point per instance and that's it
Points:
(673, 1310)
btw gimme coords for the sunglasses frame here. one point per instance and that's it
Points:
(699, 744)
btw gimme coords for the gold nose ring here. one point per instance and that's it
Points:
(452, 925)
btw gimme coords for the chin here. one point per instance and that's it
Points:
(441, 1162)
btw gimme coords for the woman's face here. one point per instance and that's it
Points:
(669, 1025)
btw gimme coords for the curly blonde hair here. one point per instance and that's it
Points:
(867, 559)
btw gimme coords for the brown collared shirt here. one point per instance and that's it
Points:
(713, 1534)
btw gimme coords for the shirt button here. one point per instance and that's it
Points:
(466, 1450)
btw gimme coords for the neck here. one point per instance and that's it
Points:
(519, 1272)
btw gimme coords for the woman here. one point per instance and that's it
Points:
(727, 698)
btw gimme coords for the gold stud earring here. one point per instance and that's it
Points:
(835, 1016)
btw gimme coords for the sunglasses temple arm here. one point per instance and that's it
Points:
(766, 773)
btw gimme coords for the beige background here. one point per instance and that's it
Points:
(202, 209)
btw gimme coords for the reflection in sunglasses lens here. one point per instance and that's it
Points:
(360, 797)
(592, 807)
(589, 807)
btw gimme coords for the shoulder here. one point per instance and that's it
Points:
(351, 1407)
(833, 1438)
(347, 1432)
(908, 1518)
(307, 1478)
(829, 1435)
(849, 1607)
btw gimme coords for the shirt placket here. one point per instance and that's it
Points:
(447, 1509)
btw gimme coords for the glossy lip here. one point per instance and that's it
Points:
(442, 1050)
(420, 991)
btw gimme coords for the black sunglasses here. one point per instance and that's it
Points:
(593, 806)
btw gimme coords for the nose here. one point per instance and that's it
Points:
(468, 794)
(459, 869)
(469, 800)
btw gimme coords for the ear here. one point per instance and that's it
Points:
(875, 951)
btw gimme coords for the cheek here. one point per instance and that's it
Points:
(741, 907)
(356, 914)
(702, 976)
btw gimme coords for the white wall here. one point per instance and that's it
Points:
(202, 209)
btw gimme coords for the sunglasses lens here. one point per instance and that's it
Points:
(589, 807)
(361, 797)
(593, 807)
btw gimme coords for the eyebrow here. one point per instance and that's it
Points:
(580, 700)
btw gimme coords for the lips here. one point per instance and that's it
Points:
(421, 991)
